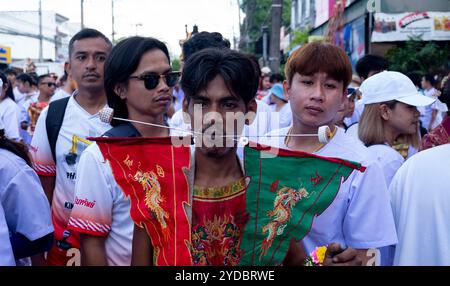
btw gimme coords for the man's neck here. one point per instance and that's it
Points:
(216, 172)
(147, 130)
(43, 98)
(67, 88)
(90, 101)
(308, 144)
(279, 105)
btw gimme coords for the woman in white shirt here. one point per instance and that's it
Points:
(432, 114)
(390, 113)
(9, 110)
(25, 224)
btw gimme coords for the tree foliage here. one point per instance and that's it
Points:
(176, 64)
(420, 56)
(299, 37)
(257, 15)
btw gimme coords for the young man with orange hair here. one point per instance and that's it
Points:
(360, 217)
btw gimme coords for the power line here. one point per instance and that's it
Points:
(9, 31)
(40, 32)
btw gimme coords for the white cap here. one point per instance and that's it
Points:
(266, 70)
(391, 85)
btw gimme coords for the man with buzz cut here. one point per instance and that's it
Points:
(61, 132)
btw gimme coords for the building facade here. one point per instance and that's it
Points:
(20, 31)
(372, 26)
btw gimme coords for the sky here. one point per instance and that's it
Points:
(162, 19)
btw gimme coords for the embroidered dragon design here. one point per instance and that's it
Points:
(153, 198)
(281, 214)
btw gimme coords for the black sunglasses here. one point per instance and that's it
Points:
(151, 80)
(49, 84)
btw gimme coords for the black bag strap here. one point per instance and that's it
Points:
(123, 130)
(54, 120)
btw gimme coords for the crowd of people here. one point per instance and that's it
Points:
(61, 205)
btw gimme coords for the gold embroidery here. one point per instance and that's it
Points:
(160, 171)
(282, 207)
(153, 198)
(128, 162)
(220, 192)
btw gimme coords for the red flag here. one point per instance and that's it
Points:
(150, 171)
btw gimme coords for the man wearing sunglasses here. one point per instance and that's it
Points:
(46, 87)
(138, 86)
(61, 132)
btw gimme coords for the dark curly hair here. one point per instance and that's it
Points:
(239, 71)
(202, 41)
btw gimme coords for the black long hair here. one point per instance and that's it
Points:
(18, 149)
(9, 91)
(121, 63)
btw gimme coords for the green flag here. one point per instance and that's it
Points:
(285, 193)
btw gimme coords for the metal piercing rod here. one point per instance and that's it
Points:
(243, 139)
(323, 132)
(156, 125)
(168, 127)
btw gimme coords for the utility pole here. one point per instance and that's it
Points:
(112, 19)
(40, 32)
(265, 32)
(137, 25)
(82, 14)
(274, 57)
(239, 19)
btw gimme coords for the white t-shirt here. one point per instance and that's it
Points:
(360, 216)
(25, 102)
(22, 200)
(420, 201)
(18, 95)
(352, 131)
(389, 160)
(6, 252)
(177, 122)
(284, 116)
(101, 208)
(359, 109)
(60, 93)
(263, 122)
(426, 111)
(10, 115)
(352, 119)
(77, 125)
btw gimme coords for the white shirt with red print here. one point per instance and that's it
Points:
(101, 208)
(77, 125)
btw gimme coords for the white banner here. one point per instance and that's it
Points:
(322, 12)
(432, 26)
